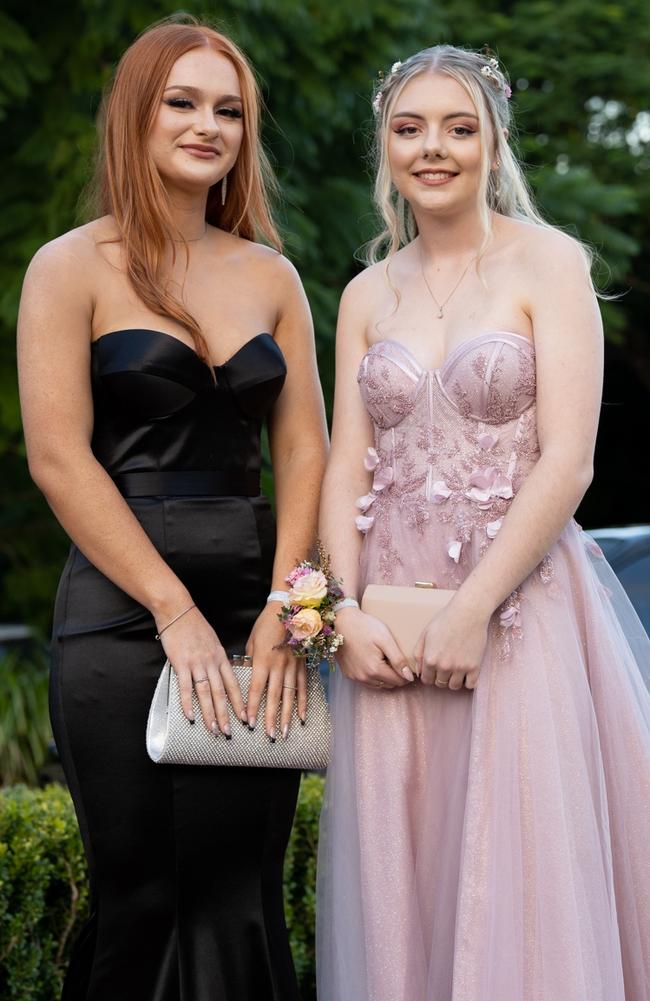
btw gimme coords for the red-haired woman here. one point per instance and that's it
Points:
(153, 343)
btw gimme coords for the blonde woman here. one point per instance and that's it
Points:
(487, 825)
(153, 344)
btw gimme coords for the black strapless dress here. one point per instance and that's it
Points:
(185, 862)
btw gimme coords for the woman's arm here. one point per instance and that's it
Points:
(569, 353)
(367, 642)
(298, 443)
(54, 375)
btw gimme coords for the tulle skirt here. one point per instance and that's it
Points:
(495, 845)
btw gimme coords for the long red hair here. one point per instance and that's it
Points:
(128, 186)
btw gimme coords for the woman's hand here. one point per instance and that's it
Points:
(200, 662)
(283, 675)
(450, 650)
(369, 653)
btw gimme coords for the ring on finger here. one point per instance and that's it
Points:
(380, 684)
(294, 688)
(441, 684)
(200, 681)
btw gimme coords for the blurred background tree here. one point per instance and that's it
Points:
(581, 83)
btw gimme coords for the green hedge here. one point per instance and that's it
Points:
(44, 894)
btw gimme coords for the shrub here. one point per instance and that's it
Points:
(44, 892)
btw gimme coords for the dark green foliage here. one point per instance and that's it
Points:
(581, 83)
(24, 719)
(44, 893)
(300, 883)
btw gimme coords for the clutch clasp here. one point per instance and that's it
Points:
(425, 583)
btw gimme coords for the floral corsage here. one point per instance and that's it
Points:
(307, 615)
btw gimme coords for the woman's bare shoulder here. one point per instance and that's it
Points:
(76, 249)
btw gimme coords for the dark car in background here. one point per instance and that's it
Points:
(627, 550)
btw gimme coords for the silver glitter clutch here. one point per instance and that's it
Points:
(173, 740)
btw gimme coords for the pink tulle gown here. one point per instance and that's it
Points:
(490, 845)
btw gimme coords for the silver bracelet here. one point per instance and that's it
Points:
(175, 619)
(282, 596)
(345, 603)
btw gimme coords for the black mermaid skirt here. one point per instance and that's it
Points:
(185, 862)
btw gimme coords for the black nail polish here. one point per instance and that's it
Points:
(272, 739)
(192, 721)
(303, 722)
(228, 736)
(251, 728)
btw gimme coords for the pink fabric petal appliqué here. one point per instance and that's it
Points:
(363, 523)
(365, 502)
(454, 550)
(441, 492)
(371, 460)
(487, 441)
(502, 486)
(510, 617)
(492, 528)
(382, 478)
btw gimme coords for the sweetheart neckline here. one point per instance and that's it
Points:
(454, 351)
(171, 337)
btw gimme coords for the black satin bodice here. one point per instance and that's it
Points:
(157, 407)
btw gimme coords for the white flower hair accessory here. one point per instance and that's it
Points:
(378, 99)
(490, 71)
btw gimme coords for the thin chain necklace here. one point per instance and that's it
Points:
(193, 239)
(441, 305)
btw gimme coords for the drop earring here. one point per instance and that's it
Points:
(497, 186)
(224, 188)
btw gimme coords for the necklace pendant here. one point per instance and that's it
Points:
(440, 314)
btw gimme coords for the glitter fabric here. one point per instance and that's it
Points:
(494, 845)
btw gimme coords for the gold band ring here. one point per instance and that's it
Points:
(200, 681)
(292, 687)
(441, 684)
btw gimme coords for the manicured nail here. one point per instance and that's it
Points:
(227, 731)
(285, 731)
(251, 723)
(215, 728)
(228, 736)
(244, 716)
(191, 719)
(302, 721)
(272, 736)
(408, 674)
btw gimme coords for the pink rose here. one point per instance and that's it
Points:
(305, 624)
(493, 527)
(308, 590)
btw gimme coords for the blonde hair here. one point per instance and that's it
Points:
(503, 190)
(127, 184)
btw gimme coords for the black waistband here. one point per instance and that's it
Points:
(186, 483)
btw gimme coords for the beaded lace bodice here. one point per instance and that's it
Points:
(451, 446)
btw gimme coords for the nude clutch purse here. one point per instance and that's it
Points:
(405, 610)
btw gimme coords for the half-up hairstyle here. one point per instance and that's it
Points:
(503, 190)
(127, 184)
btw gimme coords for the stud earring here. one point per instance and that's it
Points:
(224, 188)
